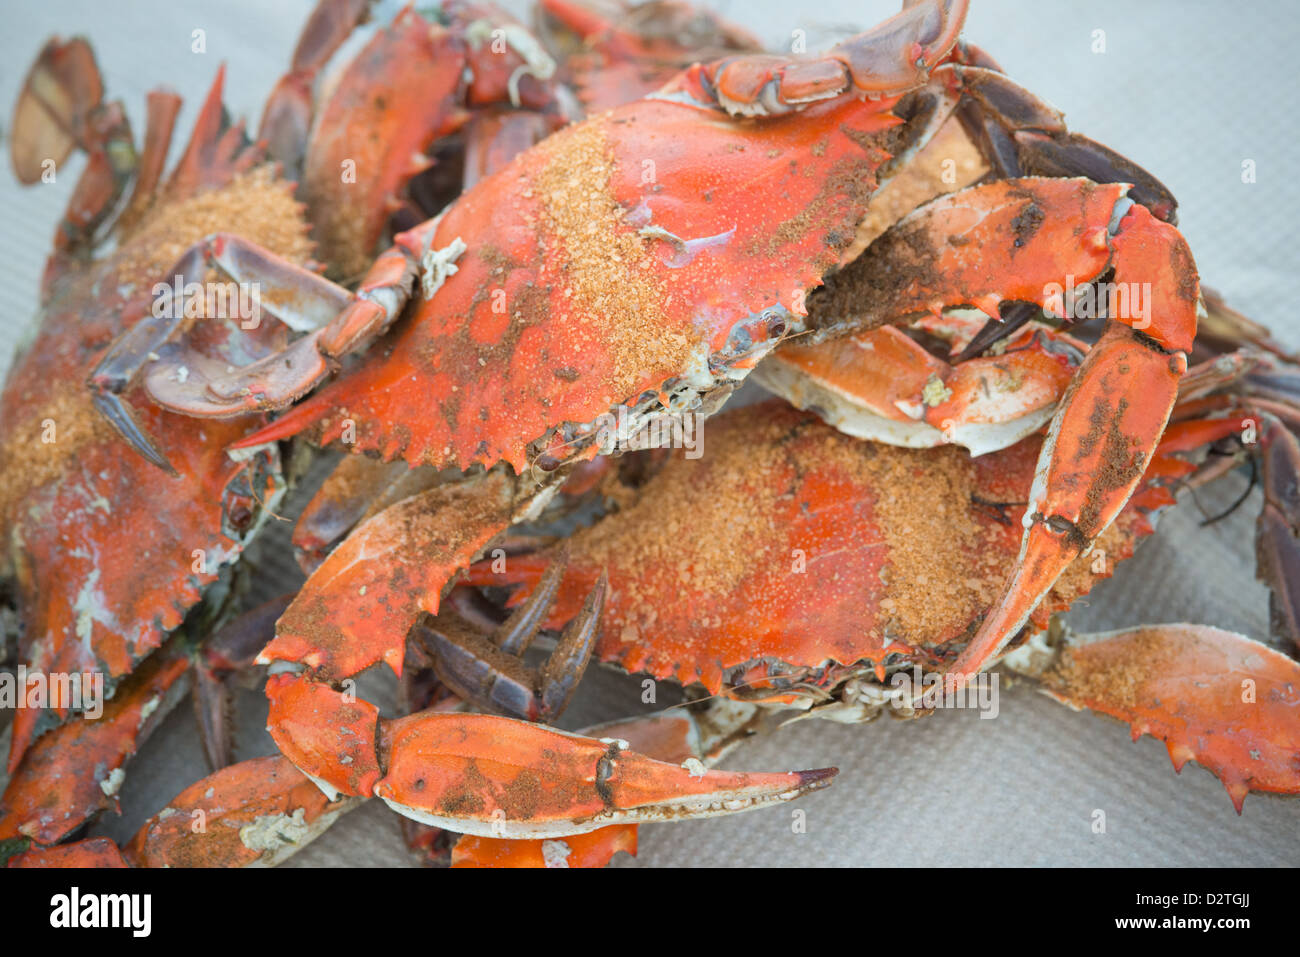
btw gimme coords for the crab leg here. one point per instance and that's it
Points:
(314, 302)
(1221, 699)
(1277, 541)
(229, 651)
(286, 118)
(74, 772)
(61, 107)
(255, 813)
(489, 673)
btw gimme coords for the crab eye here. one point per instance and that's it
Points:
(240, 516)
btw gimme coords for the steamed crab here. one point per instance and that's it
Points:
(1024, 232)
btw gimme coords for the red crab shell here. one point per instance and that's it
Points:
(109, 552)
(790, 544)
(568, 300)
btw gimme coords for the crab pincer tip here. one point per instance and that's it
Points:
(816, 779)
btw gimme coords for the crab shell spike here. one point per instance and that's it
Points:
(498, 777)
(96, 852)
(256, 813)
(1229, 703)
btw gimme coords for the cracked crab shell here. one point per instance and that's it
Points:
(788, 545)
(657, 246)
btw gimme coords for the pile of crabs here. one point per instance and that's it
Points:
(474, 246)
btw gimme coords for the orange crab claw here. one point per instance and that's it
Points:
(1223, 700)
(480, 774)
(1107, 428)
(501, 777)
(255, 813)
(94, 852)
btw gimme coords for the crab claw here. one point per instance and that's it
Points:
(480, 774)
(703, 733)
(501, 777)
(906, 396)
(1218, 698)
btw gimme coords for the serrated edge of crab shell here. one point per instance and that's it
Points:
(707, 376)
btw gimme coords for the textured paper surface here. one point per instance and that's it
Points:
(1188, 90)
